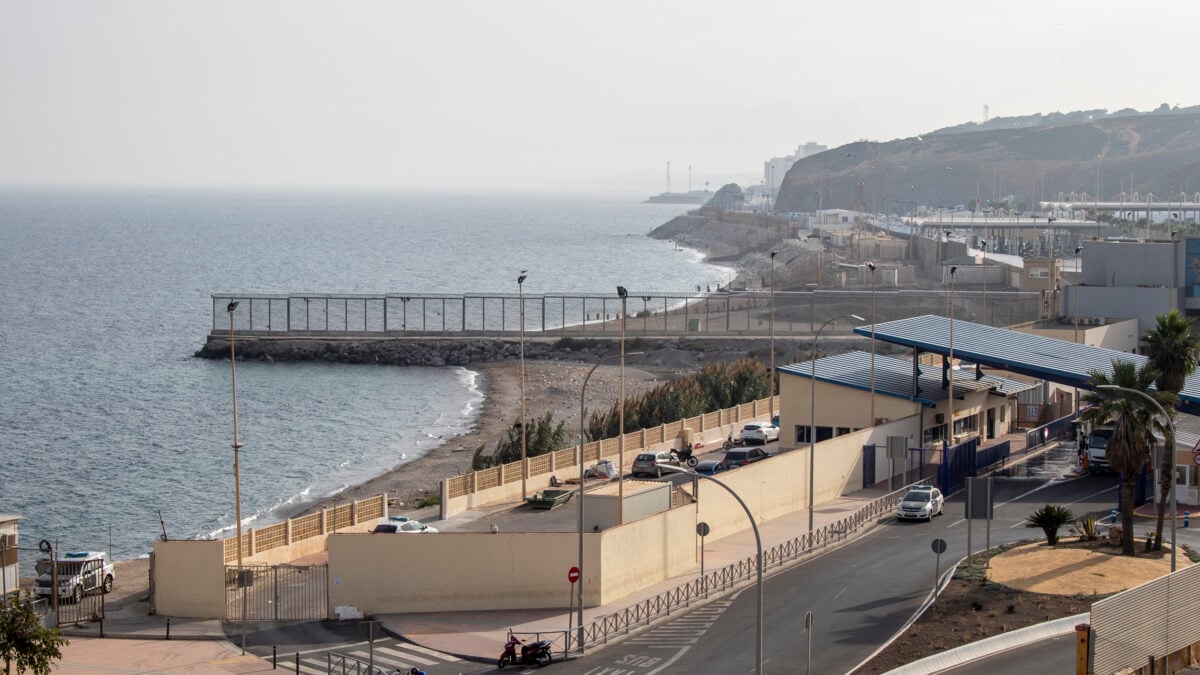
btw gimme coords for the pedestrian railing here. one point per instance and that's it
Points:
(558, 640)
(735, 574)
(344, 664)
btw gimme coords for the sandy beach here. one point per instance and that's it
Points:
(552, 386)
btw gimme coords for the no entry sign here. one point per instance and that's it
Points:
(573, 574)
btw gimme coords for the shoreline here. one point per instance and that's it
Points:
(550, 386)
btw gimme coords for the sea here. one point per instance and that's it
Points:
(112, 433)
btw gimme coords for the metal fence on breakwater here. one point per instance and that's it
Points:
(739, 313)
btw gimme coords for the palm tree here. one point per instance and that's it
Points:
(1134, 421)
(1171, 347)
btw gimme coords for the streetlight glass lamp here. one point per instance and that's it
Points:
(812, 413)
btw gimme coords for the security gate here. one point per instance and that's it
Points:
(277, 592)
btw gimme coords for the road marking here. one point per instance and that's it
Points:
(669, 662)
(405, 656)
(1094, 494)
(839, 593)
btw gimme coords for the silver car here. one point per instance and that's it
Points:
(650, 463)
(922, 502)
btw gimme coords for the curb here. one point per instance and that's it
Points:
(992, 645)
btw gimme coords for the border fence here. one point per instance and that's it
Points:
(560, 315)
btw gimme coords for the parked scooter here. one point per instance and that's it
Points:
(536, 653)
(685, 455)
(732, 442)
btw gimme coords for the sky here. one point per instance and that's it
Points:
(528, 95)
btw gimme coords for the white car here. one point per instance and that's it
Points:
(922, 502)
(760, 432)
(403, 525)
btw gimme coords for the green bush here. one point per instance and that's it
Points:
(1050, 518)
(1087, 528)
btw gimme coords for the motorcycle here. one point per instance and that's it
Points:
(685, 456)
(537, 653)
(732, 442)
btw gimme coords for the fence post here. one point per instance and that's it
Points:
(287, 532)
(253, 539)
(324, 521)
(354, 513)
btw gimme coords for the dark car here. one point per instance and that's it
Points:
(743, 456)
(710, 467)
(650, 463)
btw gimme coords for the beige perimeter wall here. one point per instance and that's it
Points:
(189, 578)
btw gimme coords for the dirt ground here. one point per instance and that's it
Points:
(1026, 584)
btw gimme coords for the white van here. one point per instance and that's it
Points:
(1097, 449)
(79, 573)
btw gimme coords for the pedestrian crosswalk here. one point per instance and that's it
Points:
(388, 655)
(686, 630)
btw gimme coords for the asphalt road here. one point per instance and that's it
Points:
(860, 594)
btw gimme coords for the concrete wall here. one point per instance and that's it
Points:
(8, 563)
(189, 578)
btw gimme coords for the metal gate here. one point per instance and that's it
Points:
(277, 593)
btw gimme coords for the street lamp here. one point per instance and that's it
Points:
(1076, 299)
(871, 266)
(983, 243)
(521, 312)
(621, 470)
(758, 642)
(624, 295)
(812, 305)
(1171, 425)
(812, 412)
(950, 368)
(237, 480)
(771, 316)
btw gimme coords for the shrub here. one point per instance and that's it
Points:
(1050, 518)
(1086, 528)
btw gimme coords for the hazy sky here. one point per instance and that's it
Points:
(531, 95)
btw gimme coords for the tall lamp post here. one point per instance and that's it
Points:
(871, 266)
(983, 244)
(812, 413)
(237, 480)
(582, 413)
(1075, 300)
(950, 363)
(624, 295)
(771, 317)
(521, 313)
(1171, 424)
(758, 641)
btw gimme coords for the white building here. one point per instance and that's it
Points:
(776, 168)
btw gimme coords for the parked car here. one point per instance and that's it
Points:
(651, 463)
(743, 456)
(760, 432)
(922, 502)
(79, 574)
(403, 525)
(711, 467)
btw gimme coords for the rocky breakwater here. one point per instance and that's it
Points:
(403, 351)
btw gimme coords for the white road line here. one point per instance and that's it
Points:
(839, 593)
(669, 662)
(431, 652)
(335, 648)
(405, 656)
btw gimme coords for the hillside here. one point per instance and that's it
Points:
(1157, 153)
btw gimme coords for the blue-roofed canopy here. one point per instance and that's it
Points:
(1066, 363)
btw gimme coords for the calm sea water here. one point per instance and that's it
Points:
(107, 420)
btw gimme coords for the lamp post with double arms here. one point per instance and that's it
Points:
(237, 480)
(524, 433)
(758, 637)
(582, 438)
(812, 413)
(1075, 300)
(1171, 425)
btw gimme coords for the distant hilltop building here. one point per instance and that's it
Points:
(776, 168)
(728, 198)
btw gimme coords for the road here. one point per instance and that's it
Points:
(860, 594)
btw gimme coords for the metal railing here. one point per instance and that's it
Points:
(344, 664)
(558, 640)
(735, 574)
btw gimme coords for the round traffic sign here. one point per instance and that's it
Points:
(573, 574)
(938, 546)
(702, 529)
(1196, 459)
